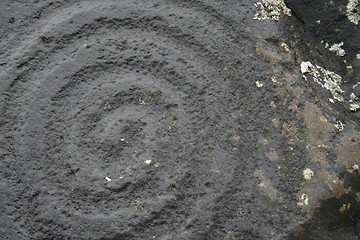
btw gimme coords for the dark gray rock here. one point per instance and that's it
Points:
(176, 120)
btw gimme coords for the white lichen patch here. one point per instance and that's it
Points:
(336, 48)
(354, 107)
(271, 9)
(284, 47)
(303, 200)
(353, 11)
(355, 167)
(148, 161)
(308, 174)
(340, 126)
(327, 79)
(353, 97)
(259, 84)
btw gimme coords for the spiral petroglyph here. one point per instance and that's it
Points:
(162, 120)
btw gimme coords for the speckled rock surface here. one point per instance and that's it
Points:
(178, 119)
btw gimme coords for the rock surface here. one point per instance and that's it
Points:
(179, 119)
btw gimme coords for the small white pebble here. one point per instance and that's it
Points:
(147, 161)
(108, 179)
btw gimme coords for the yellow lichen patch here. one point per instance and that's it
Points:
(265, 186)
(271, 9)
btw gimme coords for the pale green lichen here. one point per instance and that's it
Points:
(327, 79)
(353, 11)
(271, 9)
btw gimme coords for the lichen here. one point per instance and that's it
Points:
(353, 97)
(336, 48)
(354, 107)
(353, 11)
(271, 9)
(327, 79)
(308, 174)
(303, 200)
(340, 126)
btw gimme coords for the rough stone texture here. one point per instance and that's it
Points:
(176, 119)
